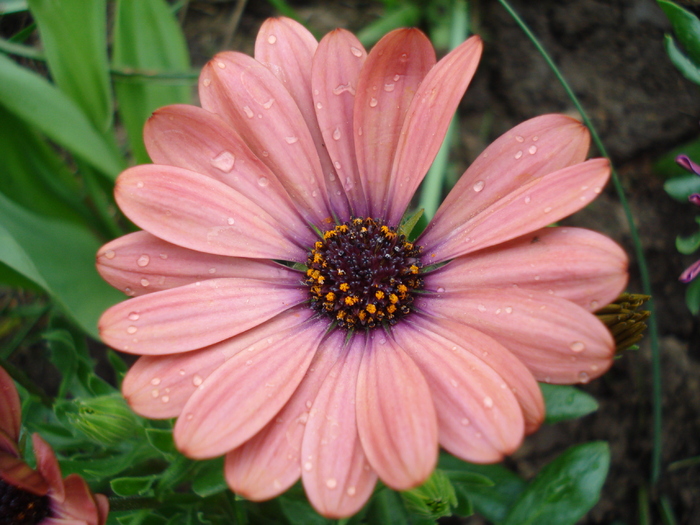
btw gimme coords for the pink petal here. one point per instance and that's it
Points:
(270, 462)
(159, 386)
(79, 503)
(10, 409)
(8, 445)
(388, 82)
(557, 340)
(246, 392)
(514, 373)
(16, 472)
(507, 165)
(251, 99)
(337, 478)
(396, 419)
(287, 49)
(194, 139)
(137, 258)
(197, 212)
(532, 206)
(579, 265)
(426, 123)
(47, 465)
(335, 72)
(102, 508)
(194, 316)
(479, 420)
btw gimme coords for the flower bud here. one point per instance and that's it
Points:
(433, 499)
(104, 419)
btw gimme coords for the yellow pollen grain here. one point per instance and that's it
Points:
(391, 308)
(351, 299)
(330, 296)
(340, 315)
(414, 269)
(344, 287)
(393, 298)
(362, 315)
(371, 308)
(402, 288)
(379, 294)
(318, 258)
(318, 245)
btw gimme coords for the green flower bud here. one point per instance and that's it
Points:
(104, 419)
(433, 499)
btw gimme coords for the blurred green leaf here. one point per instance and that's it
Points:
(12, 6)
(564, 402)
(565, 489)
(133, 486)
(59, 257)
(692, 297)
(493, 502)
(687, 67)
(161, 440)
(34, 176)
(386, 508)
(300, 512)
(147, 37)
(689, 244)
(74, 37)
(405, 14)
(42, 105)
(680, 188)
(666, 165)
(210, 478)
(686, 26)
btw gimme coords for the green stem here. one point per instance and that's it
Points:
(638, 250)
(117, 504)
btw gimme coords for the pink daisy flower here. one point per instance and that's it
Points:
(42, 496)
(285, 320)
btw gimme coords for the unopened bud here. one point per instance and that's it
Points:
(104, 419)
(433, 499)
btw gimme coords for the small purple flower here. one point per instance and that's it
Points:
(684, 161)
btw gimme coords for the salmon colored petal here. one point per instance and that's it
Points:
(287, 49)
(335, 72)
(426, 123)
(137, 259)
(388, 82)
(194, 139)
(8, 445)
(532, 206)
(159, 386)
(557, 340)
(336, 475)
(251, 99)
(197, 212)
(396, 419)
(479, 420)
(515, 375)
(246, 392)
(102, 508)
(16, 472)
(579, 265)
(527, 152)
(10, 409)
(194, 316)
(270, 462)
(79, 503)
(47, 465)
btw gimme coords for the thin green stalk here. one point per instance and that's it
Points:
(434, 182)
(638, 250)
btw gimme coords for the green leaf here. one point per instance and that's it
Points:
(33, 175)
(59, 257)
(687, 245)
(666, 164)
(42, 105)
(493, 502)
(210, 478)
(564, 402)
(692, 297)
(74, 37)
(147, 38)
(686, 26)
(688, 68)
(680, 188)
(565, 490)
(161, 440)
(300, 512)
(386, 508)
(132, 486)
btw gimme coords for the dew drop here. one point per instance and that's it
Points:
(109, 254)
(532, 150)
(128, 291)
(535, 138)
(373, 102)
(336, 165)
(212, 270)
(519, 138)
(271, 39)
(465, 422)
(331, 483)
(577, 346)
(527, 199)
(265, 153)
(143, 260)
(145, 282)
(481, 308)
(155, 393)
(248, 112)
(355, 51)
(291, 140)
(594, 305)
(440, 290)
(389, 87)
(249, 362)
(197, 380)
(206, 82)
(518, 154)
(268, 104)
(488, 402)
(403, 57)
(583, 377)
(478, 186)
(131, 329)
(547, 209)
(165, 399)
(351, 491)
(133, 316)
(509, 309)
(189, 416)
(155, 381)
(224, 161)
(263, 182)
(319, 105)
(231, 221)
(181, 371)
(221, 65)
(336, 134)
(308, 466)
(454, 383)
(139, 184)
(597, 190)
(359, 131)
(163, 256)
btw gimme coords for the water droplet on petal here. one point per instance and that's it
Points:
(532, 150)
(527, 199)
(231, 221)
(133, 316)
(597, 190)
(336, 134)
(155, 381)
(465, 422)
(271, 39)
(351, 491)
(331, 483)
(143, 260)
(509, 309)
(440, 290)
(355, 51)
(535, 138)
(139, 184)
(145, 282)
(518, 154)
(263, 182)
(519, 138)
(109, 254)
(478, 186)
(224, 161)
(336, 165)
(248, 112)
(181, 371)
(131, 330)
(291, 140)
(548, 209)
(165, 399)
(583, 377)
(308, 466)
(197, 380)
(373, 102)
(268, 104)
(128, 291)
(389, 87)
(594, 305)
(155, 393)
(488, 402)
(481, 308)
(319, 105)
(221, 65)
(577, 346)
(206, 82)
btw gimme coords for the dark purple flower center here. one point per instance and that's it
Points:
(363, 274)
(19, 507)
